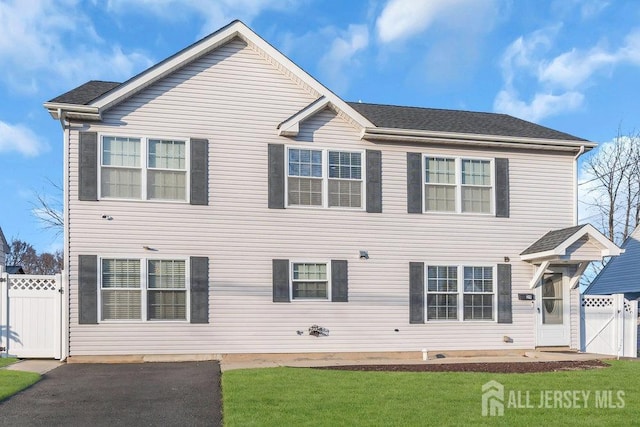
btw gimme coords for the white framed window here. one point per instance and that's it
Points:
(478, 293)
(135, 289)
(455, 184)
(460, 292)
(143, 168)
(310, 280)
(324, 178)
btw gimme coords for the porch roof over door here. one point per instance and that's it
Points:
(577, 245)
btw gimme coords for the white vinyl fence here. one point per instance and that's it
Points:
(31, 316)
(609, 325)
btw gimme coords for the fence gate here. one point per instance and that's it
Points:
(31, 316)
(609, 325)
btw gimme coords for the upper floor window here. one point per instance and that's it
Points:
(458, 185)
(147, 169)
(324, 178)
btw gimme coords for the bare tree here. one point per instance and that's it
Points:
(23, 254)
(48, 208)
(614, 185)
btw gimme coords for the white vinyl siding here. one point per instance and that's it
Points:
(454, 184)
(237, 98)
(460, 292)
(143, 168)
(324, 178)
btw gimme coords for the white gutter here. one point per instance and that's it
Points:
(575, 184)
(405, 135)
(557, 146)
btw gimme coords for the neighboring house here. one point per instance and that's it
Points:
(621, 275)
(15, 269)
(4, 251)
(224, 201)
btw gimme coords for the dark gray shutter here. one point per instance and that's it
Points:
(374, 181)
(414, 183)
(199, 276)
(199, 171)
(339, 281)
(88, 167)
(502, 187)
(276, 176)
(88, 289)
(504, 294)
(281, 280)
(416, 292)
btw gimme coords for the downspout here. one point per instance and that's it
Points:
(575, 184)
(65, 214)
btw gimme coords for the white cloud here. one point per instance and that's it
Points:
(558, 81)
(21, 139)
(571, 69)
(214, 14)
(542, 105)
(342, 54)
(45, 41)
(401, 19)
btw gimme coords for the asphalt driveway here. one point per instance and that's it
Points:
(144, 394)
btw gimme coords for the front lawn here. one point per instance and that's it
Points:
(301, 396)
(12, 382)
(6, 361)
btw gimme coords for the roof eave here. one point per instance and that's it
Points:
(58, 109)
(411, 135)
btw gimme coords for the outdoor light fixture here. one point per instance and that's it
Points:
(364, 255)
(107, 217)
(507, 259)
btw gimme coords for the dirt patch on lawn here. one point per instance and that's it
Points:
(512, 367)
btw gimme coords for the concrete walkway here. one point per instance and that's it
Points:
(230, 362)
(41, 366)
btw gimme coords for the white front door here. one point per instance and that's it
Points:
(553, 309)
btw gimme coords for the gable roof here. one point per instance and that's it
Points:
(555, 243)
(92, 109)
(551, 240)
(439, 120)
(377, 122)
(4, 246)
(621, 274)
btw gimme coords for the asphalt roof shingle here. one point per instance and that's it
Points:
(439, 120)
(390, 116)
(551, 240)
(84, 94)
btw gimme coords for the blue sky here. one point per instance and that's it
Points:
(567, 64)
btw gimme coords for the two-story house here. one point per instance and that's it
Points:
(224, 201)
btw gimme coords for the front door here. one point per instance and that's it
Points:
(552, 306)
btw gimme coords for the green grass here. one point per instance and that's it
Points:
(12, 382)
(6, 361)
(306, 397)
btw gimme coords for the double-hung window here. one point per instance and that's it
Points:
(121, 173)
(166, 290)
(309, 281)
(143, 168)
(139, 289)
(324, 178)
(460, 292)
(458, 185)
